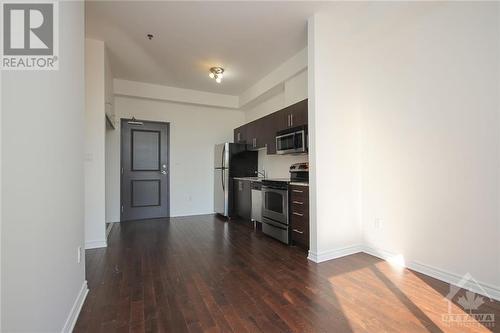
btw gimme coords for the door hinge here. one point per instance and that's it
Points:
(122, 171)
(122, 208)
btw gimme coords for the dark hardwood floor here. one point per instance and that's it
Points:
(202, 274)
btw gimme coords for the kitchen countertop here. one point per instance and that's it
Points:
(252, 179)
(259, 179)
(299, 183)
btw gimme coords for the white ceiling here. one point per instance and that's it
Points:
(248, 39)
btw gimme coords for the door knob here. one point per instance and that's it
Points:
(163, 172)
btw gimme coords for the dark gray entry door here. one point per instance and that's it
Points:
(145, 170)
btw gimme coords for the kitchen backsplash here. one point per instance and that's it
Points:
(277, 166)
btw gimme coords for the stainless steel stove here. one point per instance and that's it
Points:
(275, 202)
(275, 209)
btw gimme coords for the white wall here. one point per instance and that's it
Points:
(277, 166)
(1, 200)
(289, 92)
(333, 129)
(42, 186)
(95, 144)
(110, 163)
(295, 88)
(285, 71)
(413, 88)
(431, 138)
(112, 181)
(272, 102)
(194, 130)
(174, 94)
(108, 86)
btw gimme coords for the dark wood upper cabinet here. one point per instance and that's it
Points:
(295, 115)
(256, 133)
(240, 134)
(250, 133)
(282, 119)
(298, 115)
(253, 134)
(274, 122)
(261, 133)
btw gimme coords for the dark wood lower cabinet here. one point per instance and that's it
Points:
(299, 215)
(242, 198)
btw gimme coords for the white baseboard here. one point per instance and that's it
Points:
(333, 254)
(445, 276)
(481, 288)
(108, 230)
(379, 253)
(477, 287)
(75, 309)
(95, 244)
(192, 214)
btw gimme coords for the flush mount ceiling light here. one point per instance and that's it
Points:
(216, 73)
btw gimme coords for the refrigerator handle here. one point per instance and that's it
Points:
(222, 157)
(222, 180)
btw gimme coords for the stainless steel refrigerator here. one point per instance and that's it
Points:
(230, 160)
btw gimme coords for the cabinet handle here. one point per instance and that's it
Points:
(297, 191)
(298, 231)
(288, 116)
(298, 202)
(291, 120)
(298, 214)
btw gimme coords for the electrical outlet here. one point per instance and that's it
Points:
(79, 254)
(377, 223)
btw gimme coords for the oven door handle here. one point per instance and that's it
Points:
(266, 188)
(274, 225)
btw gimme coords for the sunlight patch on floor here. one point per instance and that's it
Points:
(397, 261)
(403, 303)
(442, 309)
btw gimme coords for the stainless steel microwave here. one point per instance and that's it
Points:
(292, 141)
